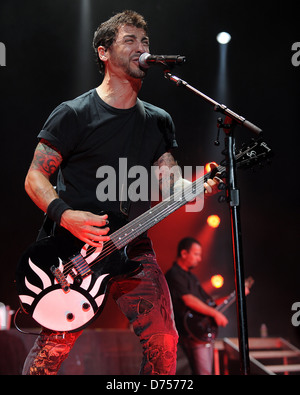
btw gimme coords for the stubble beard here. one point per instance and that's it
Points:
(133, 72)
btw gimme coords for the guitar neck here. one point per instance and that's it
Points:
(231, 298)
(153, 216)
(227, 303)
(124, 235)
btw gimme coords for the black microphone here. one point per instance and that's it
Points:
(146, 60)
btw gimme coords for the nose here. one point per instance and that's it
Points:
(142, 47)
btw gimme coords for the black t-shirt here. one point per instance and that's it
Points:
(182, 282)
(90, 134)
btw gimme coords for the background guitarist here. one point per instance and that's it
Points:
(187, 293)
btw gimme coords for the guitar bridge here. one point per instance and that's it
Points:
(60, 278)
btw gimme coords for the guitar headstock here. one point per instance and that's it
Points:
(253, 154)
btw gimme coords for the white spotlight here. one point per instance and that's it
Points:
(223, 38)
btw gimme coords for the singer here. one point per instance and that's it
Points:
(93, 130)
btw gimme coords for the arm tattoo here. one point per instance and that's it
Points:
(169, 173)
(46, 159)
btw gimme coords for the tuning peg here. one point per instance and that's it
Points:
(222, 186)
(222, 199)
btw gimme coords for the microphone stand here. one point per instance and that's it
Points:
(232, 119)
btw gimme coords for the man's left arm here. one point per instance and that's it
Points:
(170, 179)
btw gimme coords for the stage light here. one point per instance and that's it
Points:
(213, 221)
(217, 281)
(223, 38)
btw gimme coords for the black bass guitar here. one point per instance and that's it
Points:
(204, 328)
(62, 283)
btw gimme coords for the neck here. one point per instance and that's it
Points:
(180, 262)
(119, 92)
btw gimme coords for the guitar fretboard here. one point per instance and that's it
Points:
(228, 302)
(153, 216)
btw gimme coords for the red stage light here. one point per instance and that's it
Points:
(208, 166)
(213, 221)
(217, 281)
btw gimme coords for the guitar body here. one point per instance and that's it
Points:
(204, 328)
(63, 283)
(200, 327)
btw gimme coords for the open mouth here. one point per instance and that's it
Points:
(136, 61)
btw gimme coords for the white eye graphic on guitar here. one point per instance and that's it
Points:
(64, 310)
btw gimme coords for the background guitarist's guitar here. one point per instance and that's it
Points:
(204, 328)
(63, 283)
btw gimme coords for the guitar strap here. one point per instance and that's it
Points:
(133, 156)
(47, 228)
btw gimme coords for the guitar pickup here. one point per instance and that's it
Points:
(60, 278)
(81, 266)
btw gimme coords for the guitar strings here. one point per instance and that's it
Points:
(110, 246)
(162, 214)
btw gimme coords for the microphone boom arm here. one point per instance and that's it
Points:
(217, 106)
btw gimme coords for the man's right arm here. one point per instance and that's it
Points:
(84, 225)
(37, 183)
(196, 304)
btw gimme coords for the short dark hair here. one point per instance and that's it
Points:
(186, 244)
(106, 33)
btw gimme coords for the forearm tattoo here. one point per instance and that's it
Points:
(169, 172)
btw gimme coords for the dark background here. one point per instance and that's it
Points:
(50, 59)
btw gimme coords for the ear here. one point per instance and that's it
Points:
(102, 53)
(184, 253)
